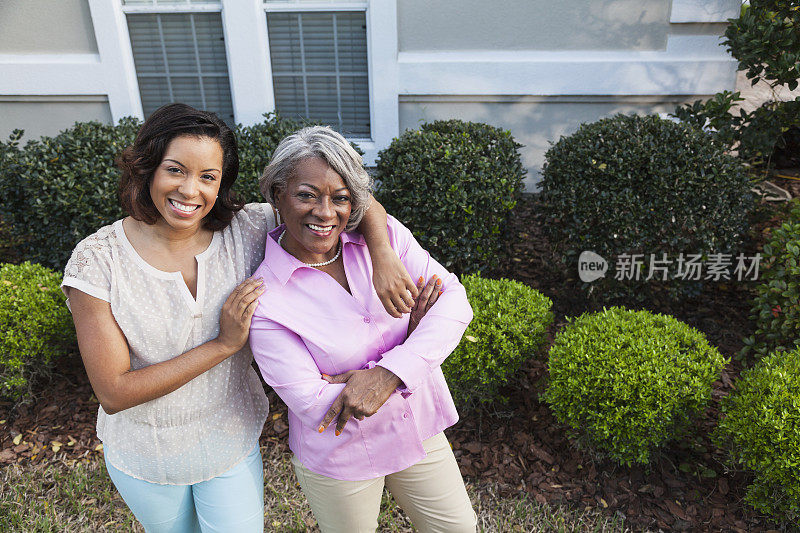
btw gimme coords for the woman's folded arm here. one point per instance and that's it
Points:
(287, 366)
(442, 327)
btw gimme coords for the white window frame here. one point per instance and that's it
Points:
(381, 19)
(156, 8)
(244, 24)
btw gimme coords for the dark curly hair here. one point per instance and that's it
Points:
(139, 161)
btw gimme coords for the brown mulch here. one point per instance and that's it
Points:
(60, 422)
(519, 445)
(688, 488)
(790, 183)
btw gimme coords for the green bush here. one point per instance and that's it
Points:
(453, 183)
(627, 382)
(756, 135)
(776, 306)
(765, 39)
(510, 323)
(761, 431)
(57, 190)
(256, 144)
(642, 185)
(35, 327)
(9, 243)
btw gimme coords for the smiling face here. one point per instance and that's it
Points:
(315, 206)
(186, 182)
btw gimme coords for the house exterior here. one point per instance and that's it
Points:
(370, 68)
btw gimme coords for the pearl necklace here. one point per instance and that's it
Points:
(315, 265)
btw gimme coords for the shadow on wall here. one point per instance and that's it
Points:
(463, 25)
(634, 25)
(538, 121)
(534, 122)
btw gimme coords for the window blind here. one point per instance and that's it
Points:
(300, 2)
(319, 68)
(180, 57)
(166, 2)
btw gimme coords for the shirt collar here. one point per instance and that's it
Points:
(283, 264)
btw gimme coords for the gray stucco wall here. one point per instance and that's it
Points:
(48, 115)
(534, 121)
(46, 27)
(532, 25)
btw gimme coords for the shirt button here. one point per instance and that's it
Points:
(366, 320)
(405, 415)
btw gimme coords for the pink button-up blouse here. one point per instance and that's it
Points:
(306, 324)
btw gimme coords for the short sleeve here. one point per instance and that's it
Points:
(260, 216)
(90, 266)
(254, 221)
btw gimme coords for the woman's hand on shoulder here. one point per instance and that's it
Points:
(427, 297)
(237, 313)
(392, 283)
(106, 355)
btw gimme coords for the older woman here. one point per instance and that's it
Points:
(162, 307)
(325, 344)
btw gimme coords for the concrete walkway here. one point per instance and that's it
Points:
(756, 95)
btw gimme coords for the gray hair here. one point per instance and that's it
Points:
(331, 147)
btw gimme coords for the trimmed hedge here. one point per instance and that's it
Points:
(776, 307)
(761, 431)
(765, 40)
(628, 382)
(35, 327)
(453, 183)
(256, 144)
(57, 190)
(509, 325)
(642, 185)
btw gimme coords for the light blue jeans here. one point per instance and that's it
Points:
(231, 502)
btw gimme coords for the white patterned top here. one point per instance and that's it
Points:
(208, 425)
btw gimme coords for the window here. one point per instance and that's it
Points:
(320, 66)
(330, 61)
(156, 3)
(180, 56)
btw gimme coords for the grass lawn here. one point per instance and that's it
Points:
(74, 496)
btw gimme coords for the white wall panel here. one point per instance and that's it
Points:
(46, 27)
(687, 11)
(49, 115)
(690, 65)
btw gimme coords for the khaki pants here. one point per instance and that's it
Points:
(431, 492)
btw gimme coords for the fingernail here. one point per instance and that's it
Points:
(338, 432)
(421, 279)
(440, 293)
(326, 376)
(438, 282)
(321, 429)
